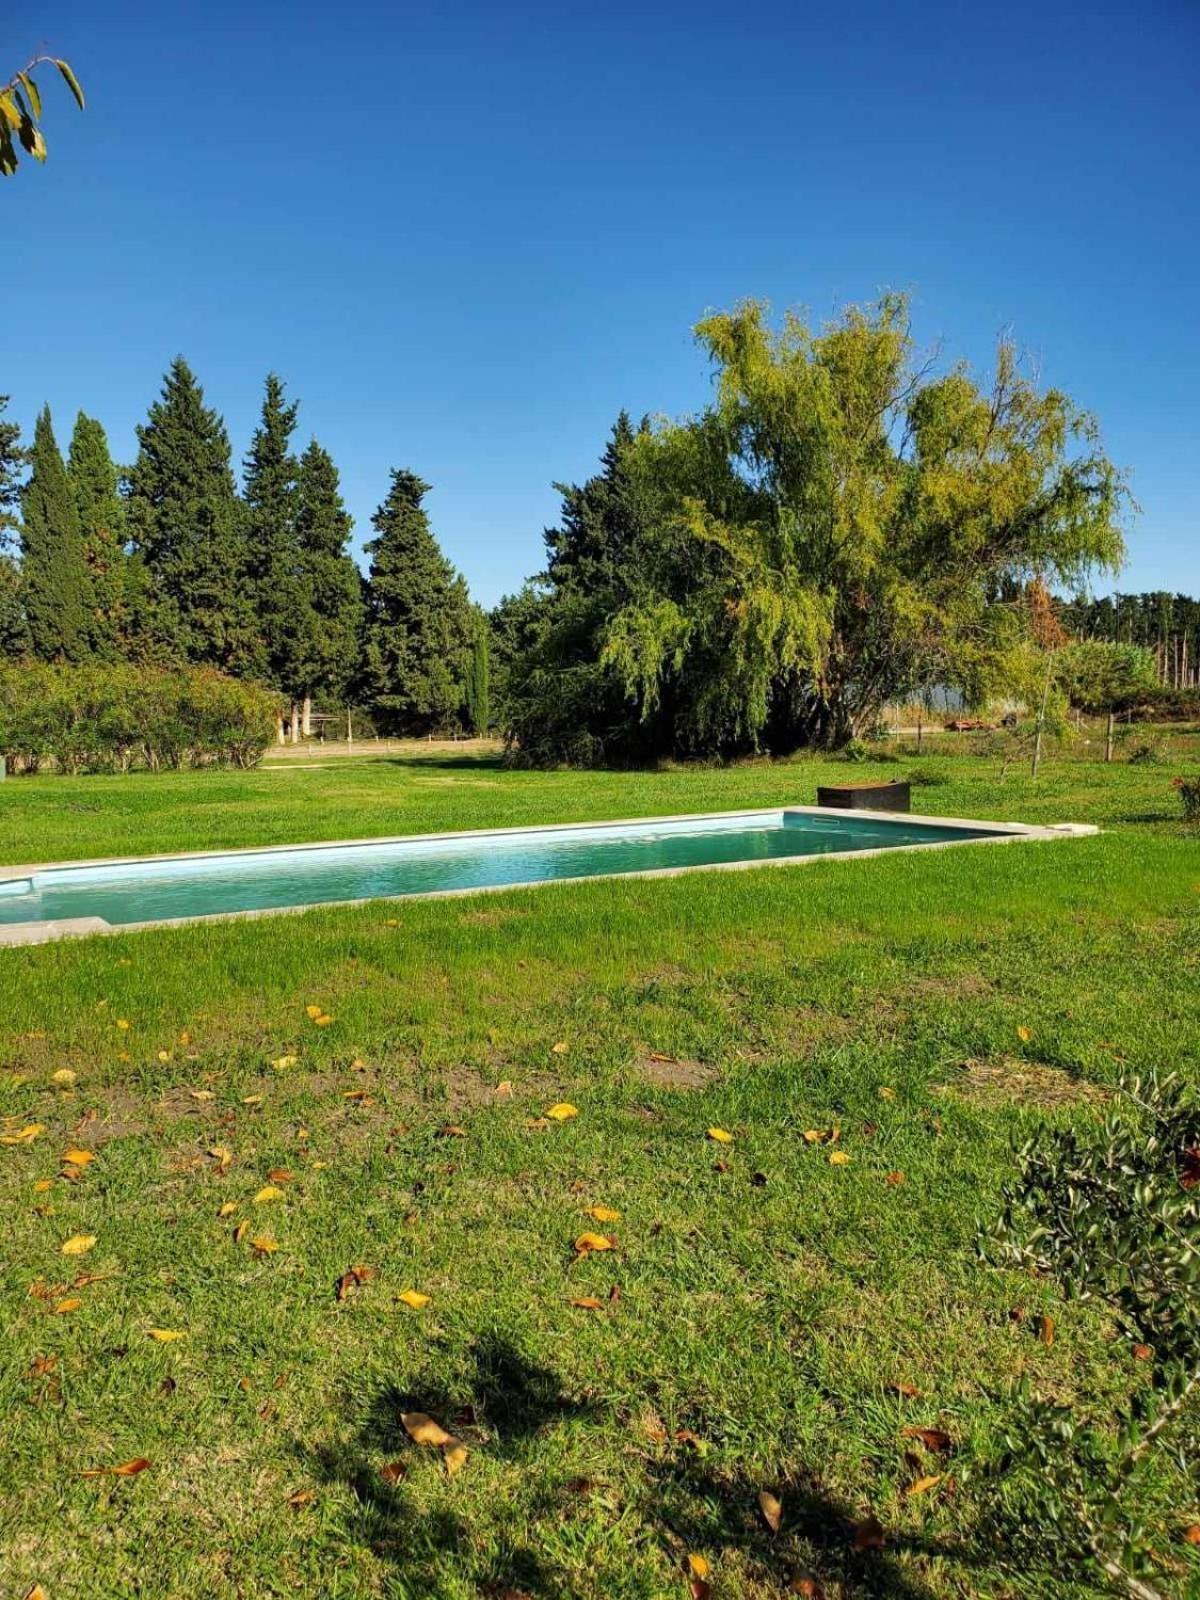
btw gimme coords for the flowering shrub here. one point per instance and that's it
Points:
(112, 718)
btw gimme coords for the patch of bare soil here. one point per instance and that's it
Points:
(666, 1072)
(1005, 1080)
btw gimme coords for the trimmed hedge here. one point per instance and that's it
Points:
(115, 718)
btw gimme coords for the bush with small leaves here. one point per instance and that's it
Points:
(1113, 1216)
(1189, 794)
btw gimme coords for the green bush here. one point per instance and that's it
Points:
(1189, 793)
(117, 717)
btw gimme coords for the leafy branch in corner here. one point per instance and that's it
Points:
(21, 112)
(1113, 1215)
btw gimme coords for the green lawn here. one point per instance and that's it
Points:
(772, 1304)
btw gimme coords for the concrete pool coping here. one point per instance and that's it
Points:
(17, 934)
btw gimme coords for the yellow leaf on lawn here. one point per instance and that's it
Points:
(772, 1511)
(252, 1099)
(302, 1497)
(79, 1158)
(126, 1469)
(240, 1232)
(813, 1135)
(36, 1593)
(314, 1011)
(838, 1158)
(228, 1208)
(23, 1135)
(265, 1246)
(563, 1111)
(887, 1094)
(720, 1135)
(166, 1335)
(123, 1024)
(455, 1456)
(413, 1298)
(698, 1566)
(282, 1063)
(1024, 1034)
(593, 1241)
(322, 1021)
(223, 1156)
(78, 1244)
(270, 1192)
(185, 1037)
(604, 1214)
(64, 1077)
(504, 1090)
(923, 1484)
(588, 1302)
(42, 1185)
(64, 1306)
(202, 1094)
(538, 1122)
(164, 1056)
(561, 1048)
(422, 1429)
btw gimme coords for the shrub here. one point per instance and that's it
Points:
(1146, 751)
(1189, 794)
(856, 750)
(114, 717)
(927, 777)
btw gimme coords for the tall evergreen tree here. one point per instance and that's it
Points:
(14, 631)
(271, 498)
(186, 522)
(477, 685)
(333, 583)
(12, 460)
(54, 577)
(102, 528)
(418, 633)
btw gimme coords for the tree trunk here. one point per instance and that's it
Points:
(1108, 737)
(1041, 720)
(295, 723)
(279, 739)
(306, 717)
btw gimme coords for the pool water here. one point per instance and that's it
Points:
(157, 890)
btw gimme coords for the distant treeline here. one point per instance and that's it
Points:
(169, 563)
(1166, 624)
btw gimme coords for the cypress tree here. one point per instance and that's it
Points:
(102, 527)
(273, 552)
(14, 632)
(187, 524)
(54, 575)
(12, 459)
(477, 690)
(418, 617)
(333, 582)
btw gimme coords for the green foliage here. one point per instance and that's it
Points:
(1189, 796)
(1112, 1214)
(102, 529)
(21, 111)
(111, 717)
(477, 692)
(1099, 676)
(56, 586)
(332, 579)
(419, 624)
(187, 525)
(14, 631)
(287, 626)
(12, 460)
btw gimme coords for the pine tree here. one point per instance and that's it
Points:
(54, 577)
(333, 582)
(102, 527)
(418, 634)
(187, 524)
(285, 623)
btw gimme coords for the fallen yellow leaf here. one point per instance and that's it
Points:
(270, 1192)
(166, 1335)
(223, 1156)
(228, 1208)
(79, 1158)
(282, 1063)
(561, 1048)
(588, 1302)
(322, 1021)
(123, 1024)
(838, 1158)
(23, 1135)
(922, 1484)
(64, 1306)
(64, 1077)
(886, 1093)
(164, 1056)
(422, 1429)
(698, 1566)
(454, 1454)
(604, 1214)
(720, 1135)
(413, 1298)
(562, 1111)
(42, 1185)
(772, 1511)
(1024, 1034)
(240, 1232)
(314, 1011)
(265, 1246)
(202, 1094)
(127, 1469)
(593, 1241)
(78, 1244)
(252, 1099)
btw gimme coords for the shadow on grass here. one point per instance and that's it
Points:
(504, 1403)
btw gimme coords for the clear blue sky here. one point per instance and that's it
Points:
(467, 233)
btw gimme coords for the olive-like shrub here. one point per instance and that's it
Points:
(120, 717)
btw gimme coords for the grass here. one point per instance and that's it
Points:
(770, 1302)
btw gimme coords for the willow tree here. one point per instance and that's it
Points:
(844, 526)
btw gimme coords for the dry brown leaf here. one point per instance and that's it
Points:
(868, 1534)
(202, 1094)
(1046, 1328)
(537, 1122)
(42, 1365)
(280, 1175)
(393, 1472)
(422, 1429)
(302, 1497)
(923, 1485)
(772, 1511)
(223, 1156)
(1142, 1352)
(587, 1302)
(932, 1438)
(240, 1232)
(894, 1178)
(125, 1469)
(453, 1130)
(1191, 1535)
(907, 1391)
(504, 1090)
(78, 1244)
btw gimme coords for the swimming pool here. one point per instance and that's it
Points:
(39, 903)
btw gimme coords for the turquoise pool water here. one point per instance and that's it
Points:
(157, 890)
